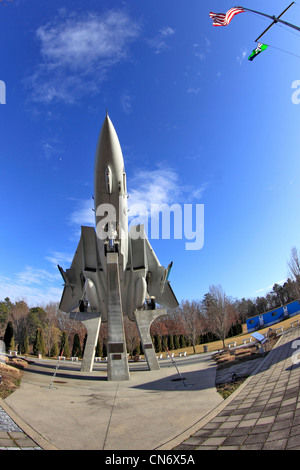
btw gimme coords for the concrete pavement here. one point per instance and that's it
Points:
(262, 414)
(88, 412)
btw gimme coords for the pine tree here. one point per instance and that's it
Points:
(136, 351)
(12, 345)
(64, 347)
(39, 343)
(157, 343)
(24, 348)
(164, 343)
(9, 333)
(76, 350)
(182, 341)
(170, 343)
(54, 350)
(84, 343)
(176, 342)
(98, 349)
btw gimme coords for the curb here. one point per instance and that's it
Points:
(169, 445)
(34, 435)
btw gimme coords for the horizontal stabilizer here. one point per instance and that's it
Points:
(73, 287)
(167, 299)
(160, 287)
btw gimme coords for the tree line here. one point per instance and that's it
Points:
(49, 331)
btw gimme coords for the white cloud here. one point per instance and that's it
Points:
(166, 31)
(79, 42)
(51, 148)
(158, 43)
(145, 189)
(160, 186)
(126, 102)
(83, 214)
(77, 52)
(36, 276)
(200, 55)
(59, 258)
(153, 187)
(200, 50)
(197, 193)
(194, 91)
(36, 286)
(266, 289)
(241, 58)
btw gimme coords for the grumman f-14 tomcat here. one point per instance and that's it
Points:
(136, 283)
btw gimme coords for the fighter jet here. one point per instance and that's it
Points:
(143, 281)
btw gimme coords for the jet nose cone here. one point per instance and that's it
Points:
(109, 174)
(108, 152)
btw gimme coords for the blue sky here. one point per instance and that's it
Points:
(196, 120)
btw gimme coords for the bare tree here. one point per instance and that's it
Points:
(18, 315)
(132, 335)
(51, 330)
(64, 322)
(221, 312)
(294, 269)
(192, 320)
(158, 327)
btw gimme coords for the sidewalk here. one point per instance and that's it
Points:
(262, 414)
(12, 437)
(85, 412)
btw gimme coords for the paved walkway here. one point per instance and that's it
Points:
(12, 437)
(263, 413)
(86, 411)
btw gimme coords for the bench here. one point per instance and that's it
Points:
(230, 345)
(13, 353)
(97, 359)
(182, 354)
(74, 359)
(247, 340)
(295, 323)
(159, 357)
(279, 329)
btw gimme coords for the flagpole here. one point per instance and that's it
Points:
(274, 22)
(274, 18)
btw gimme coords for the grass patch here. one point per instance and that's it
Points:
(11, 372)
(225, 390)
(226, 358)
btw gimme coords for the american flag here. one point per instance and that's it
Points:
(223, 19)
